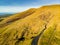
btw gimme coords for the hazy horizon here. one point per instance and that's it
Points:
(16, 6)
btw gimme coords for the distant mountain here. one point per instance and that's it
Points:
(4, 15)
(36, 26)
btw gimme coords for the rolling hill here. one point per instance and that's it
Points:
(3, 16)
(40, 26)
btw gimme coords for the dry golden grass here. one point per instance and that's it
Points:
(41, 25)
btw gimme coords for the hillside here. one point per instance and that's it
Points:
(39, 26)
(3, 16)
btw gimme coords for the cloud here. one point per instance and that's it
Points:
(13, 9)
(46, 2)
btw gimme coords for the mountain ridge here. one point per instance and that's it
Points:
(42, 27)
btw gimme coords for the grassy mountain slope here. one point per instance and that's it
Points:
(18, 16)
(42, 27)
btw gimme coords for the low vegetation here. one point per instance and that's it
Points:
(39, 26)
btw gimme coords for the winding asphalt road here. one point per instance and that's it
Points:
(35, 40)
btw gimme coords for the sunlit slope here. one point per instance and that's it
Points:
(40, 28)
(17, 16)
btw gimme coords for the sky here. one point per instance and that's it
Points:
(15, 6)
